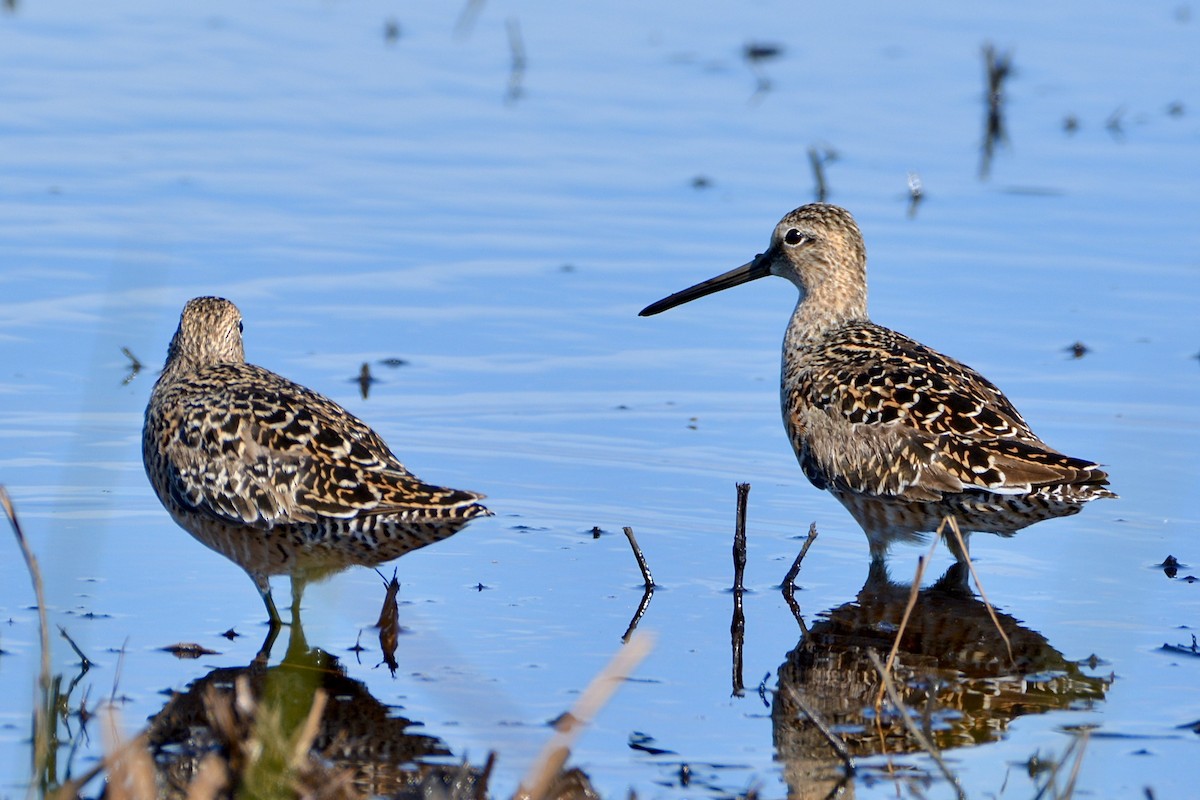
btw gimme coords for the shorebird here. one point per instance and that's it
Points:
(902, 435)
(272, 475)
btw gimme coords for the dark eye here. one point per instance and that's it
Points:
(239, 326)
(794, 237)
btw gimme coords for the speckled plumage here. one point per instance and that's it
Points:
(899, 433)
(274, 476)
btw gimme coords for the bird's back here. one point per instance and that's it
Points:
(872, 412)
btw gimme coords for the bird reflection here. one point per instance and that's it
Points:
(360, 744)
(953, 672)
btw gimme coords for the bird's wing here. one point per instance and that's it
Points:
(255, 448)
(878, 413)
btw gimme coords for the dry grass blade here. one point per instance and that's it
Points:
(890, 687)
(549, 762)
(211, 779)
(953, 525)
(128, 764)
(913, 593)
(308, 732)
(43, 717)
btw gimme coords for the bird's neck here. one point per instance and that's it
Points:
(816, 315)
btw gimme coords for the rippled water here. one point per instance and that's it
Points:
(364, 200)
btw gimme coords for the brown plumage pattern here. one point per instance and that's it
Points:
(274, 476)
(902, 435)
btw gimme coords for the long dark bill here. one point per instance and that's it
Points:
(760, 267)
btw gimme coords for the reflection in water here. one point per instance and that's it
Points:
(952, 670)
(265, 732)
(234, 711)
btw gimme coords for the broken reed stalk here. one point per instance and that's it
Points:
(548, 764)
(789, 581)
(641, 559)
(953, 525)
(835, 741)
(739, 538)
(898, 703)
(44, 716)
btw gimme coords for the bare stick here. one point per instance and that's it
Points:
(637, 615)
(835, 741)
(641, 559)
(912, 726)
(84, 661)
(739, 538)
(789, 580)
(547, 765)
(737, 638)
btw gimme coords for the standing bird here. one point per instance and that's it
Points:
(272, 475)
(902, 435)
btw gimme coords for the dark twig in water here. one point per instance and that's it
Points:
(737, 626)
(737, 639)
(789, 580)
(84, 661)
(998, 69)
(835, 741)
(389, 622)
(641, 559)
(922, 740)
(739, 538)
(637, 615)
(517, 71)
(135, 366)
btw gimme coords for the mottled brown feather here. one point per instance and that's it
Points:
(273, 475)
(902, 435)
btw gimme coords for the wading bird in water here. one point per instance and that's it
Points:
(274, 476)
(902, 435)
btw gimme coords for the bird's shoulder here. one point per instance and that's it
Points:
(872, 375)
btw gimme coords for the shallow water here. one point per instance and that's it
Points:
(362, 201)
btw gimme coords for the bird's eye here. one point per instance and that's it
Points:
(240, 329)
(794, 237)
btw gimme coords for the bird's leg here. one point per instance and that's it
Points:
(264, 589)
(299, 581)
(956, 540)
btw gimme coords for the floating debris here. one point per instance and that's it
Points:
(188, 650)
(391, 31)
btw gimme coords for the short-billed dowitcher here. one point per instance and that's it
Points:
(274, 476)
(902, 435)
